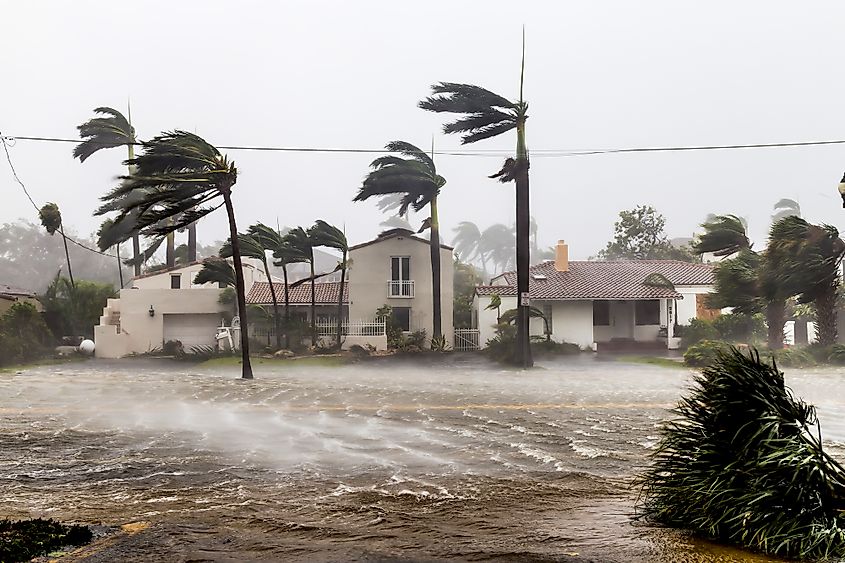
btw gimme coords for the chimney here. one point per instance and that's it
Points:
(561, 257)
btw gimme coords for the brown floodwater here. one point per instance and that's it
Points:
(378, 461)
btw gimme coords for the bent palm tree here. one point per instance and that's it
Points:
(302, 241)
(419, 184)
(252, 247)
(332, 237)
(181, 175)
(806, 261)
(51, 219)
(487, 115)
(284, 254)
(467, 241)
(216, 270)
(723, 235)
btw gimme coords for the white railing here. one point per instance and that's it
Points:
(352, 328)
(400, 288)
(466, 339)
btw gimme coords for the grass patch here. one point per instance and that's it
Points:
(653, 361)
(312, 361)
(25, 539)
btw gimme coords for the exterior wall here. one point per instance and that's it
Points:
(686, 308)
(572, 321)
(487, 319)
(253, 272)
(370, 272)
(126, 326)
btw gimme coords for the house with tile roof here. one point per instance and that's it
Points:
(603, 304)
(9, 295)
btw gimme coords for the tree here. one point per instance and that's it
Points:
(467, 241)
(786, 208)
(639, 235)
(498, 243)
(332, 237)
(105, 226)
(74, 309)
(495, 303)
(179, 175)
(285, 253)
(216, 270)
(51, 220)
(805, 261)
(253, 247)
(303, 243)
(487, 115)
(466, 278)
(415, 178)
(744, 281)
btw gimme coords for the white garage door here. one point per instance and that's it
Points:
(191, 329)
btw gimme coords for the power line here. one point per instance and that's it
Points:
(35, 205)
(490, 152)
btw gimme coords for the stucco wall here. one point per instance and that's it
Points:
(253, 272)
(686, 308)
(487, 319)
(370, 272)
(139, 332)
(572, 321)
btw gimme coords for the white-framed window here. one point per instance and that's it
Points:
(175, 281)
(400, 284)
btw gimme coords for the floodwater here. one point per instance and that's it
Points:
(378, 461)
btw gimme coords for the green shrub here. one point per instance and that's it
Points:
(26, 539)
(23, 335)
(793, 358)
(740, 327)
(542, 346)
(501, 347)
(698, 330)
(439, 344)
(836, 354)
(704, 353)
(742, 464)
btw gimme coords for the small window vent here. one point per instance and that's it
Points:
(539, 277)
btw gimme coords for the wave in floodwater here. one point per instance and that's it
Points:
(376, 461)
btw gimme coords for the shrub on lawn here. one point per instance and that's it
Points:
(704, 353)
(26, 539)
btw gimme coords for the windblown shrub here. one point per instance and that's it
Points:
(836, 355)
(742, 464)
(704, 353)
(794, 358)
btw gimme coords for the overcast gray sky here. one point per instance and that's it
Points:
(349, 74)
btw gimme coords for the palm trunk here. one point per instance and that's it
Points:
(192, 244)
(313, 303)
(523, 252)
(434, 245)
(287, 307)
(136, 238)
(170, 252)
(67, 254)
(275, 306)
(825, 306)
(239, 286)
(340, 300)
(775, 318)
(119, 265)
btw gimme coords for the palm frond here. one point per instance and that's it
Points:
(103, 132)
(248, 246)
(216, 270)
(486, 114)
(324, 234)
(723, 235)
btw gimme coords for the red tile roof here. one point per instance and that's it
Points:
(325, 293)
(394, 233)
(605, 280)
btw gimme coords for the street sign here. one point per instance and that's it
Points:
(523, 299)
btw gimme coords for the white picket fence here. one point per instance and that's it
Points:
(466, 339)
(352, 328)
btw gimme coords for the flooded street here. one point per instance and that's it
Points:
(379, 461)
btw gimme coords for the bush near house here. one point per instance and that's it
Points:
(731, 327)
(75, 311)
(23, 335)
(704, 352)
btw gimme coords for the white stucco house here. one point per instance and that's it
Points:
(603, 304)
(162, 306)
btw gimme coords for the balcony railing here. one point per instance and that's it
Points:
(402, 289)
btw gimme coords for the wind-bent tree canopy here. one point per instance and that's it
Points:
(51, 219)
(330, 236)
(216, 270)
(467, 241)
(303, 243)
(252, 247)
(723, 235)
(176, 181)
(415, 178)
(487, 115)
(805, 261)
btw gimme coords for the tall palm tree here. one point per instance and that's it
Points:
(216, 270)
(110, 131)
(786, 207)
(181, 175)
(51, 219)
(467, 241)
(486, 115)
(745, 281)
(252, 247)
(332, 237)
(498, 244)
(302, 241)
(805, 260)
(285, 253)
(419, 184)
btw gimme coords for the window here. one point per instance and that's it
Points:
(402, 317)
(601, 313)
(401, 284)
(175, 281)
(647, 312)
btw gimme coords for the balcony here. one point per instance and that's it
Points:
(400, 289)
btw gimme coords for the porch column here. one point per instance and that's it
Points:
(670, 321)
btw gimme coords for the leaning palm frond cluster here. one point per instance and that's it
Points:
(743, 463)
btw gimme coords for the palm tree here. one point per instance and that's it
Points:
(786, 208)
(51, 219)
(301, 240)
(286, 253)
(805, 261)
(216, 270)
(495, 303)
(252, 247)
(180, 175)
(104, 227)
(486, 115)
(498, 244)
(745, 281)
(332, 237)
(467, 241)
(419, 184)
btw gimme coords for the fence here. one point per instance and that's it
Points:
(466, 339)
(352, 328)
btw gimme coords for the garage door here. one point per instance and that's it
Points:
(191, 329)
